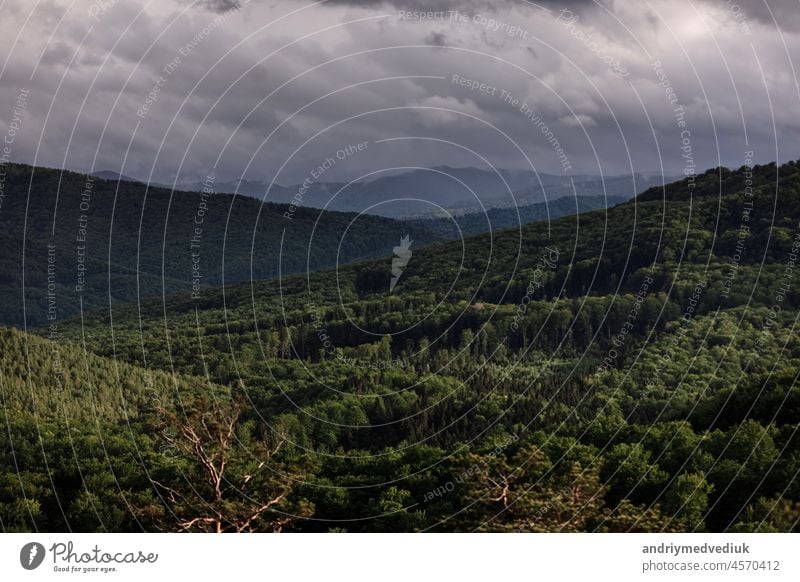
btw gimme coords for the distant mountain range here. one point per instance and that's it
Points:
(72, 243)
(497, 219)
(436, 191)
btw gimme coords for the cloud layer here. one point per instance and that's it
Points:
(269, 90)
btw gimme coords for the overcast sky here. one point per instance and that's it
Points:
(271, 89)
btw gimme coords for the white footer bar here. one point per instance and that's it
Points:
(399, 557)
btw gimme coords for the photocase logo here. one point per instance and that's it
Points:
(31, 555)
(403, 255)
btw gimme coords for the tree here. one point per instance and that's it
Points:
(687, 500)
(233, 481)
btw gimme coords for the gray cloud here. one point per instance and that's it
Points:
(433, 5)
(468, 6)
(246, 87)
(783, 13)
(216, 5)
(436, 39)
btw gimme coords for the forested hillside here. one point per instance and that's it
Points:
(456, 227)
(630, 369)
(91, 240)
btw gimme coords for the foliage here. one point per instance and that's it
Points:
(620, 370)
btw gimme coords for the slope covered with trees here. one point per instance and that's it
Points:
(71, 239)
(629, 369)
(494, 219)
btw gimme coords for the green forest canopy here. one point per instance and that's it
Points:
(630, 369)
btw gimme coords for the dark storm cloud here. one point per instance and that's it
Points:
(430, 5)
(781, 13)
(461, 5)
(448, 4)
(216, 5)
(211, 105)
(436, 39)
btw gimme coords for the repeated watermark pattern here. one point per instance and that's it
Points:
(471, 471)
(354, 389)
(317, 172)
(548, 262)
(10, 138)
(196, 238)
(171, 68)
(571, 21)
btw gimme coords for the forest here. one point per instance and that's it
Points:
(626, 369)
(121, 241)
(92, 241)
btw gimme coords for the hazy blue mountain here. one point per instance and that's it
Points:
(441, 190)
(496, 219)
